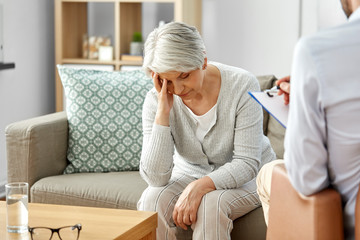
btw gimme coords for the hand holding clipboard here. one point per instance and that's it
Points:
(272, 101)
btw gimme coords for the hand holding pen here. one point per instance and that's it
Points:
(284, 88)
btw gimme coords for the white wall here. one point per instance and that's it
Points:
(260, 35)
(256, 35)
(100, 24)
(330, 13)
(321, 14)
(161, 11)
(28, 90)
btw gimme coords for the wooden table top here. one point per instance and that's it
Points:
(97, 223)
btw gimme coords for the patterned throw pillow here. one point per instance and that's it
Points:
(104, 113)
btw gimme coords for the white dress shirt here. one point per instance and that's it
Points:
(322, 142)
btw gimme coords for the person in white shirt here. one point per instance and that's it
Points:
(322, 141)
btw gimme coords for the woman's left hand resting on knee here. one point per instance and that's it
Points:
(187, 206)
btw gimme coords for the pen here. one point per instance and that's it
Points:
(274, 89)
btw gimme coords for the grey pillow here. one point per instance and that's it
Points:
(104, 112)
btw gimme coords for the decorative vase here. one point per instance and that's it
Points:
(136, 48)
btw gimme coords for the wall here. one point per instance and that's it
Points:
(28, 90)
(330, 13)
(101, 24)
(260, 36)
(256, 35)
(162, 11)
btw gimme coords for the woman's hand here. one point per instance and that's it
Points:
(186, 207)
(165, 101)
(284, 84)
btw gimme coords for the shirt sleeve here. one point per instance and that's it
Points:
(305, 140)
(156, 161)
(248, 143)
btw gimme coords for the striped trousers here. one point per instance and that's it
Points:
(215, 215)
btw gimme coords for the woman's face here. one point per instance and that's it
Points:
(184, 84)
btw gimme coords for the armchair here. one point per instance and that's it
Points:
(294, 216)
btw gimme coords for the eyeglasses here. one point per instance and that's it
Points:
(64, 233)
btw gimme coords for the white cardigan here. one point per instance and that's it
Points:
(232, 151)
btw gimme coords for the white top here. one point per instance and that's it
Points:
(322, 142)
(204, 122)
(232, 151)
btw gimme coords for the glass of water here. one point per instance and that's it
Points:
(17, 207)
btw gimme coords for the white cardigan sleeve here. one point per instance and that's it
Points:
(156, 161)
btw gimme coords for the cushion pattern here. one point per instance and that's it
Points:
(104, 114)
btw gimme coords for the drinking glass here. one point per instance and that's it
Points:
(17, 207)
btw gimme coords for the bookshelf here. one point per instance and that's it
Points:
(71, 24)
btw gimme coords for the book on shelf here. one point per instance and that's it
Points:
(128, 57)
(91, 66)
(130, 68)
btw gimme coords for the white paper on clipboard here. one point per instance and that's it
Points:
(273, 105)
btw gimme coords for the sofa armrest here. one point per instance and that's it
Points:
(295, 216)
(36, 148)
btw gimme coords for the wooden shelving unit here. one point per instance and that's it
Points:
(71, 25)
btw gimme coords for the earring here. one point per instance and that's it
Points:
(204, 67)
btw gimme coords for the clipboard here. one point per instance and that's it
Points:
(273, 105)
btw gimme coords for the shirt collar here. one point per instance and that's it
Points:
(355, 15)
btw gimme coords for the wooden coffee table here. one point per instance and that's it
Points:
(97, 223)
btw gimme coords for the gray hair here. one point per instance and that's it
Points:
(174, 46)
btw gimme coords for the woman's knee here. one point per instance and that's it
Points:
(213, 202)
(149, 198)
(229, 203)
(157, 199)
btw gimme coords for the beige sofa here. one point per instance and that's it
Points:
(36, 153)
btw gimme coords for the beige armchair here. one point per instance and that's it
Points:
(294, 216)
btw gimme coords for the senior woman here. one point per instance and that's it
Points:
(203, 142)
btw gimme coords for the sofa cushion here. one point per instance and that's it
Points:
(250, 226)
(266, 82)
(272, 128)
(121, 190)
(104, 115)
(276, 134)
(111, 190)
